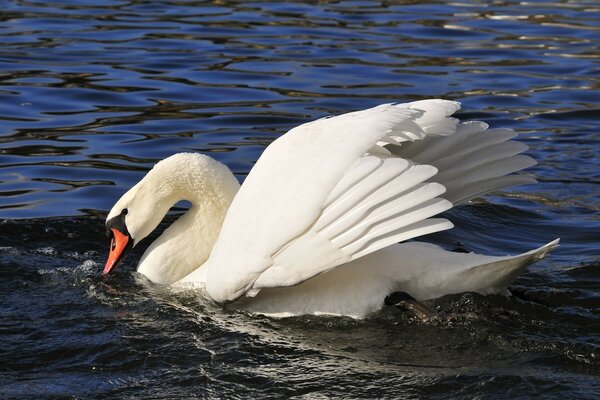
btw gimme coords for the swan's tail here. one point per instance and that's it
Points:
(436, 272)
(495, 277)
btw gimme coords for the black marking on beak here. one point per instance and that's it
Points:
(117, 223)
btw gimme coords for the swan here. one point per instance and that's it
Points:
(321, 223)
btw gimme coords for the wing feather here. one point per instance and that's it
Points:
(359, 192)
(473, 161)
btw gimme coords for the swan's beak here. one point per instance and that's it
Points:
(119, 245)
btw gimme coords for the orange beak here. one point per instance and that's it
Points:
(119, 245)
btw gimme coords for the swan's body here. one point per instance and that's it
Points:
(314, 228)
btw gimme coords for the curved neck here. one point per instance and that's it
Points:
(187, 243)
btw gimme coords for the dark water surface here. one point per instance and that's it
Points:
(92, 94)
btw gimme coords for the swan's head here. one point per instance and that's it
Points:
(183, 176)
(137, 213)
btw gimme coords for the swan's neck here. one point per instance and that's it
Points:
(187, 243)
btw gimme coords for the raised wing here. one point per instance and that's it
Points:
(324, 194)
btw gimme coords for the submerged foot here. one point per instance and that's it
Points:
(405, 301)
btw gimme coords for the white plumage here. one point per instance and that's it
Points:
(317, 221)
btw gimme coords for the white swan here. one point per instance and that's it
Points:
(315, 227)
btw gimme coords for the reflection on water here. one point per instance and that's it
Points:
(92, 94)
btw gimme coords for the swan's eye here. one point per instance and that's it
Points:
(124, 211)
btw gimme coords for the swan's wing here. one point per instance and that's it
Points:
(317, 199)
(329, 192)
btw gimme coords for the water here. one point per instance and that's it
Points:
(92, 94)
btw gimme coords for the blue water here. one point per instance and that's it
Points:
(92, 94)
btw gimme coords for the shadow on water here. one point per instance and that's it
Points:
(92, 95)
